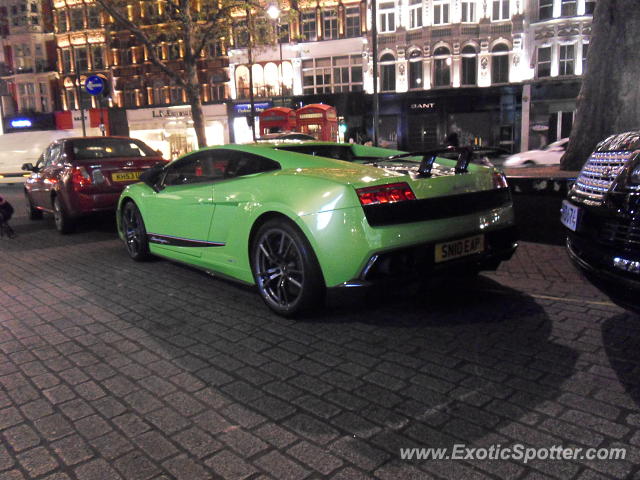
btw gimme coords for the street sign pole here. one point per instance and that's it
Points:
(95, 85)
(79, 93)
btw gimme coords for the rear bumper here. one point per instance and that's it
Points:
(88, 203)
(418, 262)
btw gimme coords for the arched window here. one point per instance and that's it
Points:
(387, 73)
(286, 70)
(415, 69)
(469, 65)
(271, 79)
(258, 80)
(442, 67)
(500, 64)
(242, 82)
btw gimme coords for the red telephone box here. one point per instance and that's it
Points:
(319, 120)
(277, 119)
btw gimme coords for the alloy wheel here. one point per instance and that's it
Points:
(280, 268)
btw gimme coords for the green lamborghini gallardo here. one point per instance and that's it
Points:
(296, 219)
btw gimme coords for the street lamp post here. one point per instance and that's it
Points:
(374, 40)
(274, 13)
(250, 59)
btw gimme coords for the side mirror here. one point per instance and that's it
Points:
(152, 176)
(28, 167)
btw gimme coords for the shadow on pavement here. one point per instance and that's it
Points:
(621, 339)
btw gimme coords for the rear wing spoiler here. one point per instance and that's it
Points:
(465, 154)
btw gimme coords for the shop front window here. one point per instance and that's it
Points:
(442, 67)
(500, 64)
(387, 73)
(469, 65)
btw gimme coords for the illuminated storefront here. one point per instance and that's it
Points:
(170, 129)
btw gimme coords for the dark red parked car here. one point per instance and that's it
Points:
(84, 175)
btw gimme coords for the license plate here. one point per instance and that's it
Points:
(125, 176)
(569, 215)
(459, 248)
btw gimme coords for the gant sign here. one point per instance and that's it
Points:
(422, 106)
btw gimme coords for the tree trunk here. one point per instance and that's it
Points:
(609, 100)
(193, 97)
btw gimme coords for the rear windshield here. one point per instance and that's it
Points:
(91, 148)
(339, 152)
(620, 143)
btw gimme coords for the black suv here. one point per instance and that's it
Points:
(602, 215)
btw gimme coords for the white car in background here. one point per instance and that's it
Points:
(549, 155)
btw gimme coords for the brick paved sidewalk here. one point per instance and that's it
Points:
(111, 369)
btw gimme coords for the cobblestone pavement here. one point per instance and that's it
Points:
(111, 369)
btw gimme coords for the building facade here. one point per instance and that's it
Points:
(27, 59)
(89, 43)
(496, 72)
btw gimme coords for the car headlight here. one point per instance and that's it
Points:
(635, 175)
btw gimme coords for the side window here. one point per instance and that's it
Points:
(244, 163)
(54, 154)
(200, 167)
(50, 155)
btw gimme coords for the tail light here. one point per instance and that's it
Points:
(499, 180)
(80, 178)
(391, 193)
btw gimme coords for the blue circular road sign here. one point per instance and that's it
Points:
(94, 85)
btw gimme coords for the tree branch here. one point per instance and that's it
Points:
(121, 18)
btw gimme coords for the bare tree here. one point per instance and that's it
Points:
(194, 23)
(609, 100)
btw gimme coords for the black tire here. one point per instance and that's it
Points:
(64, 223)
(32, 213)
(286, 269)
(135, 233)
